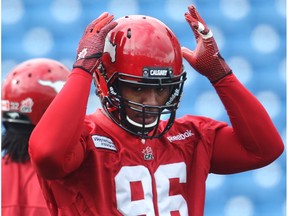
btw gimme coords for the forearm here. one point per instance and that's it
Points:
(250, 121)
(55, 141)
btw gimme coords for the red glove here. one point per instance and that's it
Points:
(91, 45)
(206, 58)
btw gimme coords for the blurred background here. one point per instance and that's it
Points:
(251, 35)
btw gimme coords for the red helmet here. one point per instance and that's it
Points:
(144, 51)
(29, 89)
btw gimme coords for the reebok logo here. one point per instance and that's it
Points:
(180, 136)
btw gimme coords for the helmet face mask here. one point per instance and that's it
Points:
(143, 52)
(117, 106)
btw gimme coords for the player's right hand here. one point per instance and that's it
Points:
(91, 45)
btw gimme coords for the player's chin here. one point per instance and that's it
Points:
(149, 119)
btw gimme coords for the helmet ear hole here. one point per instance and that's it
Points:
(129, 33)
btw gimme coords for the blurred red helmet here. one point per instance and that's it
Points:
(29, 89)
(144, 51)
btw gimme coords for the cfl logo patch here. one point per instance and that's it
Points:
(148, 153)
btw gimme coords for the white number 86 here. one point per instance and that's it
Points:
(145, 206)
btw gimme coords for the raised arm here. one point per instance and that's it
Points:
(55, 146)
(253, 140)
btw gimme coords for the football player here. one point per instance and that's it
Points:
(125, 159)
(27, 91)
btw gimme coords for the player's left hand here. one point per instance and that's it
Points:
(206, 58)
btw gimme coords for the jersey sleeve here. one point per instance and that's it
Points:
(56, 146)
(252, 141)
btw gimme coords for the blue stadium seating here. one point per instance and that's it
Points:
(262, 22)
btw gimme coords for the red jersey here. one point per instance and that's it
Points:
(21, 193)
(90, 166)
